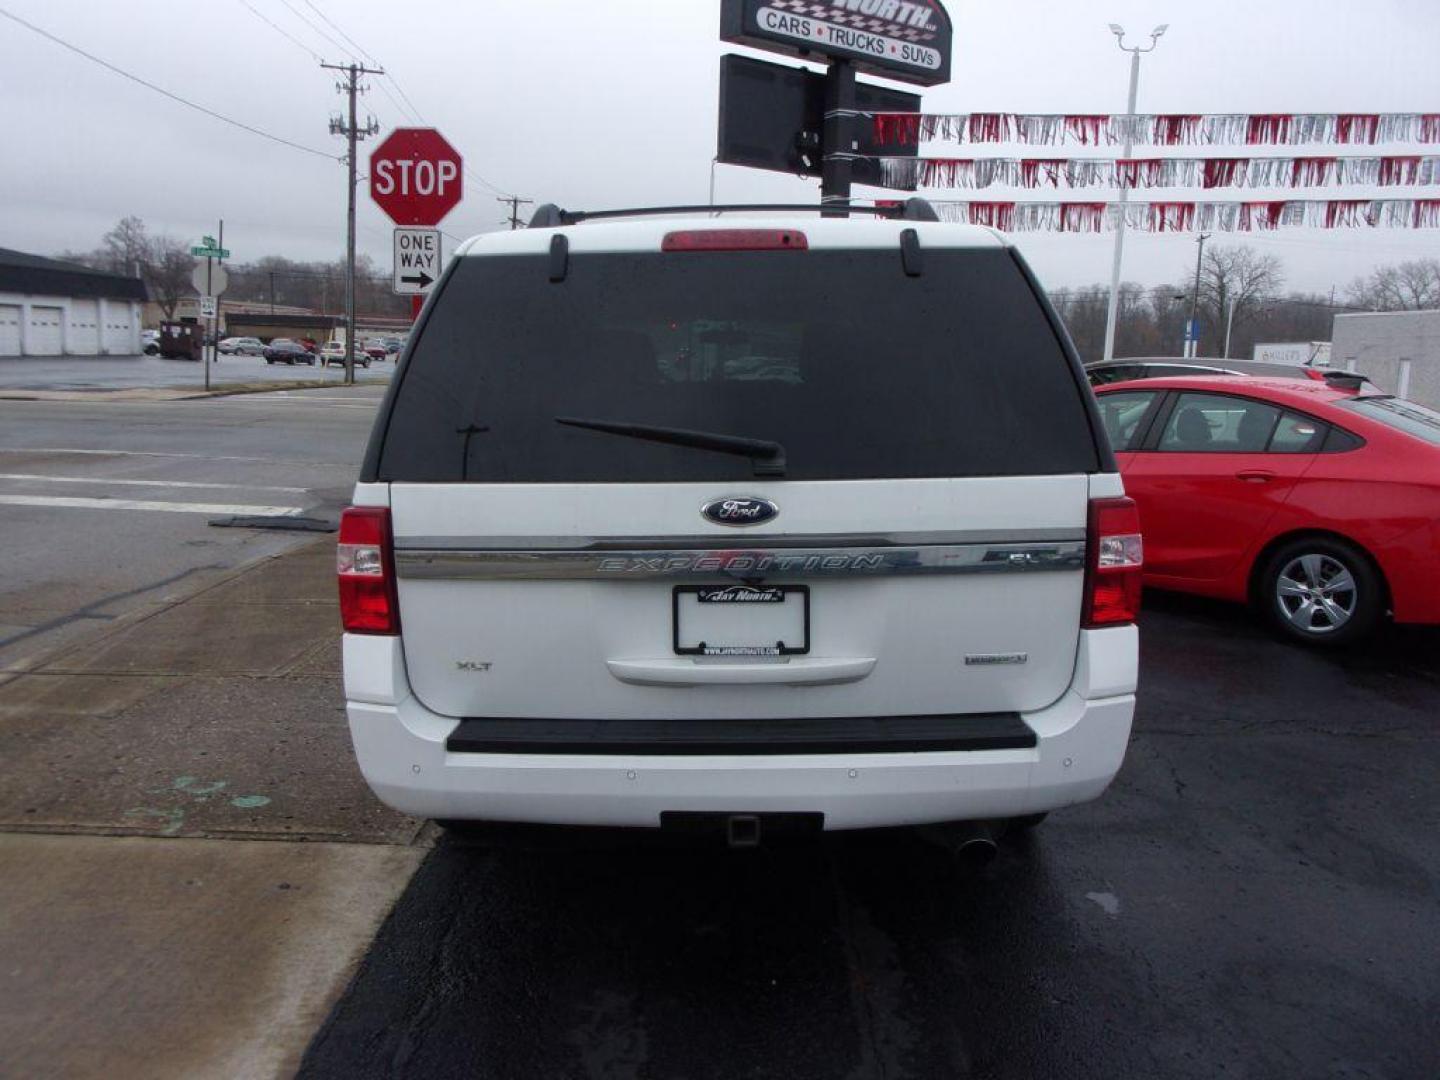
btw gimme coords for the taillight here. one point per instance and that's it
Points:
(365, 563)
(1115, 556)
(735, 240)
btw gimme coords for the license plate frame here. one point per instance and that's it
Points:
(681, 595)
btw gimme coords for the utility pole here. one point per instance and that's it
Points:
(515, 203)
(350, 85)
(1134, 50)
(1230, 322)
(1192, 335)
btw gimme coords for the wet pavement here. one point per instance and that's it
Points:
(1258, 896)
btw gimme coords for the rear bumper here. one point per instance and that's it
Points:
(1079, 747)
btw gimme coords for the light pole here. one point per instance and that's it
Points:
(1229, 323)
(1134, 51)
(1192, 331)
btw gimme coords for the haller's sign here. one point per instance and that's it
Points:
(898, 39)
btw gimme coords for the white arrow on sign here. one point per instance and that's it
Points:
(417, 260)
(216, 283)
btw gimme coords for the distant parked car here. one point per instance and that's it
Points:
(375, 351)
(334, 353)
(1103, 372)
(242, 346)
(1317, 501)
(150, 342)
(287, 351)
(392, 345)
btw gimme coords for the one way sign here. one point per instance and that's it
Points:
(417, 260)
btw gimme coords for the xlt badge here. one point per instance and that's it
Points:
(739, 510)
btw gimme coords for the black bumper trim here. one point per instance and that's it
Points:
(841, 735)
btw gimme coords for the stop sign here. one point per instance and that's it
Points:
(415, 176)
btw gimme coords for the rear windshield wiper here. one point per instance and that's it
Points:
(766, 457)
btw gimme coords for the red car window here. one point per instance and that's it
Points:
(1297, 434)
(1123, 414)
(1218, 423)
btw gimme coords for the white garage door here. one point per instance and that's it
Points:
(84, 337)
(44, 336)
(120, 332)
(9, 330)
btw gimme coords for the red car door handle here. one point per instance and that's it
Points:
(1255, 476)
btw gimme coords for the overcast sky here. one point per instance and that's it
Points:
(594, 103)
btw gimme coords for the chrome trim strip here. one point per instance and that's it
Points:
(711, 541)
(749, 565)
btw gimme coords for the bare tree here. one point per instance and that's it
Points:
(1232, 273)
(1406, 286)
(168, 265)
(125, 249)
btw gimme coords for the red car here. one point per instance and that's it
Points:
(1317, 501)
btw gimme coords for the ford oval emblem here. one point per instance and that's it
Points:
(739, 510)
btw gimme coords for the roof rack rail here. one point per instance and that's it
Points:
(550, 216)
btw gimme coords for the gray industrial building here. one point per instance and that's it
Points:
(52, 308)
(1399, 351)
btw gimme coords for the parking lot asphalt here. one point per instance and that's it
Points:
(131, 372)
(1255, 897)
(191, 867)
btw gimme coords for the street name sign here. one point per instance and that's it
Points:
(207, 248)
(417, 260)
(416, 176)
(907, 40)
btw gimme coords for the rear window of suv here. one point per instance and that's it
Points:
(857, 370)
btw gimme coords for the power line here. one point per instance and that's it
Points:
(412, 110)
(401, 90)
(472, 178)
(408, 108)
(301, 16)
(331, 23)
(160, 90)
(393, 101)
(280, 30)
(401, 109)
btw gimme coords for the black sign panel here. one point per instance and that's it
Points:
(907, 40)
(771, 117)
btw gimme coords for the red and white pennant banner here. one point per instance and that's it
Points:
(1156, 129)
(1094, 217)
(1291, 172)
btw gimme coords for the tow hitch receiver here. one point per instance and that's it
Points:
(743, 830)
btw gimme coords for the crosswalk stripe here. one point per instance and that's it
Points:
(76, 503)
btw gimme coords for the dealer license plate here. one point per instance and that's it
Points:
(742, 620)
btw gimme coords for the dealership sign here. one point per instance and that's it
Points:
(898, 39)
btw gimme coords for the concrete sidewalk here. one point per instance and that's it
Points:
(140, 938)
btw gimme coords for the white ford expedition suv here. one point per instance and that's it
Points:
(736, 519)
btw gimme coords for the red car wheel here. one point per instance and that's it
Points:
(1321, 591)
